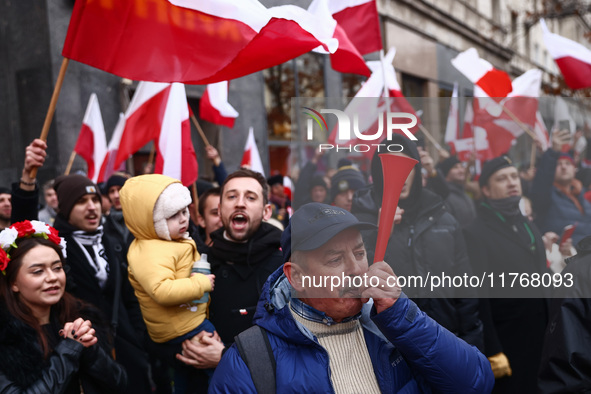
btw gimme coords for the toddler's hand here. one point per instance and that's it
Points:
(211, 280)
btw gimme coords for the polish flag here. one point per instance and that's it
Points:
(92, 143)
(158, 113)
(347, 58)
(542, 132)
(108, 165)
(175, 155)
(572, 58)
(196, 42)
(493, 82)
(360, 21)
(251, 157)
(477, 147)
(214, 106)
(499, 119)
(370, 105)
(452, 129)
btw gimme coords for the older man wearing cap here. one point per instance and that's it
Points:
(557, 197)
(501, 241)
(331, 339)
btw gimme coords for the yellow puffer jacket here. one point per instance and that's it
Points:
(159, 269)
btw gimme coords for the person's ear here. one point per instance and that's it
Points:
(267, 212)
(15, 288)
(486, 191)
(294, 275)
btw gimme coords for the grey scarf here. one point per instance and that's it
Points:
(92, 246)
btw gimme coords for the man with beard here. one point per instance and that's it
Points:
(5, 207)
(501, 241)
(244, 252)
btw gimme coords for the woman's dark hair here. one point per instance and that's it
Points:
(65, 310)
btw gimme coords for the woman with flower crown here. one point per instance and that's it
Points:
(48, 342)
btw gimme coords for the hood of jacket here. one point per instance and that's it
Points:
(138, 197)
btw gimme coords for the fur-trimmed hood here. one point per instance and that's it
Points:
(139, 197)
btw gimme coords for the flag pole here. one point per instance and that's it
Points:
(430, 137)
(51, 109)
(70, 162)
(152, 152)
(519, 123)
(532, 160)
(203, 137)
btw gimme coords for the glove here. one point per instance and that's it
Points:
(500, 365)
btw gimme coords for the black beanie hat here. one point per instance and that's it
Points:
(275, 179)
(492, 166)
(115, 180)
(5, 190)
(446, 165)
(345, 178)
(69, 189)
(318, 180)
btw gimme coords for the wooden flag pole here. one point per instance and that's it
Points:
(152, 153)
(430, 137)
(195, 199)
(519, 123)
(70, 162)
(532, 160)
(203, 137)
(52, 105)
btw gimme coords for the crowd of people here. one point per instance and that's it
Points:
(101, 288)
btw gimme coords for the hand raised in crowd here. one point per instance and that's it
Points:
(80, 330)
(35, 155)
(426, 161)
(560, 138)
(202, 351)
(549, 239)
(213, 154)
(386, 291)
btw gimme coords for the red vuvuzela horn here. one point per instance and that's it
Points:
(395, 169)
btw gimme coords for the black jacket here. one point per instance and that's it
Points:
(566, 355)
(514, 325)
(240, 272)
(24, 370)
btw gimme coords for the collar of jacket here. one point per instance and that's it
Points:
(314, 315)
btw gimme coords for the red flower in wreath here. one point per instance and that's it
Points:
(3, 259)
(24, 228)
(53, 236)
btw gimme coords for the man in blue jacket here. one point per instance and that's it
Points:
(329, 337)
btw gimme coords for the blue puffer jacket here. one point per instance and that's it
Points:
(410, 353)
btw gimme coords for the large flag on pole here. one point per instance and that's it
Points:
(251, 157)
(92, 143)
(572, 58)
(452, 129)
(214, 106)
(542, 132)
(108, 166)
(194, 42)
(347, 58)
(360, 20)
(495, 83)
(175, 155)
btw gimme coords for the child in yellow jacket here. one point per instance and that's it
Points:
(155, 209)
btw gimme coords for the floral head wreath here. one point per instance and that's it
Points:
(26, 229)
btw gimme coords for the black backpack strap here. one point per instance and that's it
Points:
(255, 349)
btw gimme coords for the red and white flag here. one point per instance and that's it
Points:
(360, 20)
(370, 107)
(196, 42)
(493, 82)
(572, 58)
(175, 155)
(158, 113)
(214, 106)
(541, 132)
(347, 58)
(92, 143)
(467, 130)
(251, 157)
(452, 129)
(108, 166)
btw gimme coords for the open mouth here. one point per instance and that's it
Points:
(52, 290)
(239, 221)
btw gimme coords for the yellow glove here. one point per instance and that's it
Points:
(500, 365)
